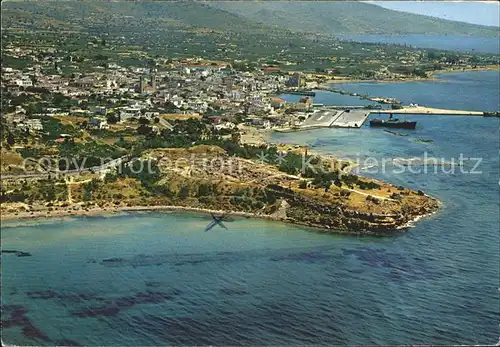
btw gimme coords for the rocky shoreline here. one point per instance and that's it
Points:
(339, 221)
(259, 191)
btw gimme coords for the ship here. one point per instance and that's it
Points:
(393, 123)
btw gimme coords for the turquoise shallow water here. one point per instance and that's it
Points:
(156, 279)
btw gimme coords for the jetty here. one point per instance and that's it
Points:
(377, 99)
(331, 119)
(299, 92)
(351, 119)
(419, 110)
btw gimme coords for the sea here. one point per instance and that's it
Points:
(448, 42)
(159, 279)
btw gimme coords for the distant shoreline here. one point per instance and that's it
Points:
(431, 76)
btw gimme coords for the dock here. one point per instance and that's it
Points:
(419, 110)
(331, 117)
(299, 92)
(321, 119)
(351, 119)
(336, 119)
(347, 107)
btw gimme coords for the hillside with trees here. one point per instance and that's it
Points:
(348, 18)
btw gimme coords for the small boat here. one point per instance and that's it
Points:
(392, 123)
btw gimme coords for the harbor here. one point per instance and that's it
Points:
(320, 115)
(336, 119)
(346, 117)
(330, 118)
(351, 119)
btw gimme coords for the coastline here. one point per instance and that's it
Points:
(431, 76)
(347, 220)
(98, 211)
(41, 215)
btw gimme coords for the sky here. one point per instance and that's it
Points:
(486, 12)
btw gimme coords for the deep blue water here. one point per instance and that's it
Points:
(474, 91)
(452, 43)
(157, 279)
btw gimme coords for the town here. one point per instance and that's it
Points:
(249, 173)
(81, 110)
(57, 130)
(126, 101)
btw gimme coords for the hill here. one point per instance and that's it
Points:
(348, 18)
(133, 33)
(120, 15)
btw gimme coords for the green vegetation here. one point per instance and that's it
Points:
(86, 154)
(348, 17)
(98, 33)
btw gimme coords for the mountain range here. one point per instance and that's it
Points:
(347, 18)
(325, 17)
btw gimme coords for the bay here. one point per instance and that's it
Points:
(158, 279)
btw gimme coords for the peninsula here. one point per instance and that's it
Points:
(327, 196)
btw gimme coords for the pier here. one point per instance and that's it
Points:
(336, 119)
(379, 100)
(299, 92)
(420, 110)
(351, 119)
(355, 117)
(321, 119)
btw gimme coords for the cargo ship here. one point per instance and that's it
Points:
(393, 123)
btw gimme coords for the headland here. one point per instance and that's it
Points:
(237, 186)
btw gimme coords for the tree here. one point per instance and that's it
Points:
(431, 55)
(143, 121)
(50, 193)
(144, 129)
(236, 137)
(184, 192)
(10, 139)
(113, 118)
(89, 188)
(419, 73)
(204, 189)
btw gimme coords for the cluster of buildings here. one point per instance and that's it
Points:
(213, 90)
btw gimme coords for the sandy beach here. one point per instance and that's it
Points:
(96, 211)
(60, 214)
(253, 136)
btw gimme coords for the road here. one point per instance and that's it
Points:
(95, 169)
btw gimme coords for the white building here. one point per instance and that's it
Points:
(24, 82)
(34, 124)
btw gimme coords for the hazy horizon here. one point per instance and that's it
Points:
(474, 12)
